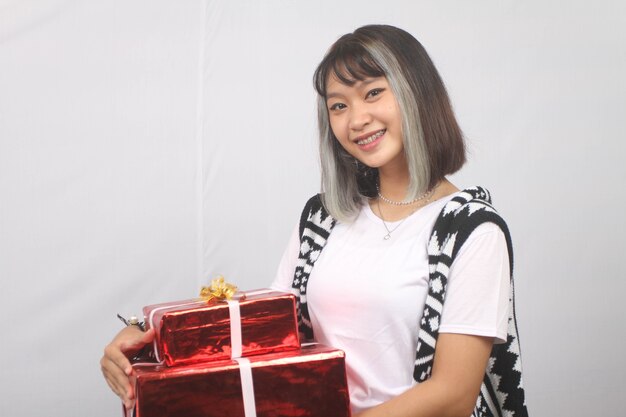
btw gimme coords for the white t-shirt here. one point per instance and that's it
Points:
(366, 295)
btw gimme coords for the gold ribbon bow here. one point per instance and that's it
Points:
(219, 289)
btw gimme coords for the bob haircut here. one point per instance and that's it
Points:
(433, 142)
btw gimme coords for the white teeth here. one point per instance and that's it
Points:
(371, 138)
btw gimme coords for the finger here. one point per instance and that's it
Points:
(117, 380)
(148, 336)
(117, 377)
(132, 383)
(116, 357)
(122, 389)
(129, 339)
(115, 389)
(115, 385)
(129, 401)
(110, 383)
(132, 340)
(137, 340)
(129, 404)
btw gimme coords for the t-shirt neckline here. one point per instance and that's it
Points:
(439, 203)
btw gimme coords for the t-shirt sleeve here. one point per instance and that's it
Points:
(287, 266)
(477, 299)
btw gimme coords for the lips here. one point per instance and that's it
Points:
(369, 138)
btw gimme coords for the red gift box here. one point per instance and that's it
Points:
(195, 331)
(310, 382)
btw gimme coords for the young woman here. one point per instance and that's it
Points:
(389, 240)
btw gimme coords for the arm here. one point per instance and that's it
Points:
(115, 363)
(458, 370)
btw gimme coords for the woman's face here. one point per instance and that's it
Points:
(366, 120)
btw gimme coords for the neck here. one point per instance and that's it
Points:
(394, 181)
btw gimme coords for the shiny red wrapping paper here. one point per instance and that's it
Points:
(310, 382)
(195, 331)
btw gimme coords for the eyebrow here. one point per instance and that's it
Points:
(358, 84)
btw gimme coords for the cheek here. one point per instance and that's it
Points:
(337, 128)
(391, 112)
(340, 141)
(396, 114)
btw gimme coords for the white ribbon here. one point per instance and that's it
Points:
(245, 368)
(236, 347)
(235, 329)
(247, 387)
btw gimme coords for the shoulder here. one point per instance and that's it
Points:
(468, 209)
(313, 203)
(464, 213)
(314, 215)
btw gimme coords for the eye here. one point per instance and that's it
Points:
(337, 106)
(374, 92)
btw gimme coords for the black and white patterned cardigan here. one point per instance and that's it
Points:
(501, 393)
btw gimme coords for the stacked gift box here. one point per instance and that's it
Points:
(238, 357)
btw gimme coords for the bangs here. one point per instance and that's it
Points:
(349, 62)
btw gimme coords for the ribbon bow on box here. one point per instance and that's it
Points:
(219, 289)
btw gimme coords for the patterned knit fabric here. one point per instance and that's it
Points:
(315, 227)
(501, 393)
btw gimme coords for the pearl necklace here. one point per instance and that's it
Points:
(426, 195)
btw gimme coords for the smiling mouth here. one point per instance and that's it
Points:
(371, 138)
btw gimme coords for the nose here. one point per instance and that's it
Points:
(360, 117)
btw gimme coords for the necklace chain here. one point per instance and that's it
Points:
(426, 197)
(427, 194)
(389, 232)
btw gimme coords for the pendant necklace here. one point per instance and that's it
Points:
(424, 197)
(389, 232)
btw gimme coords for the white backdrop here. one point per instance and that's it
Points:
(147, 146)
